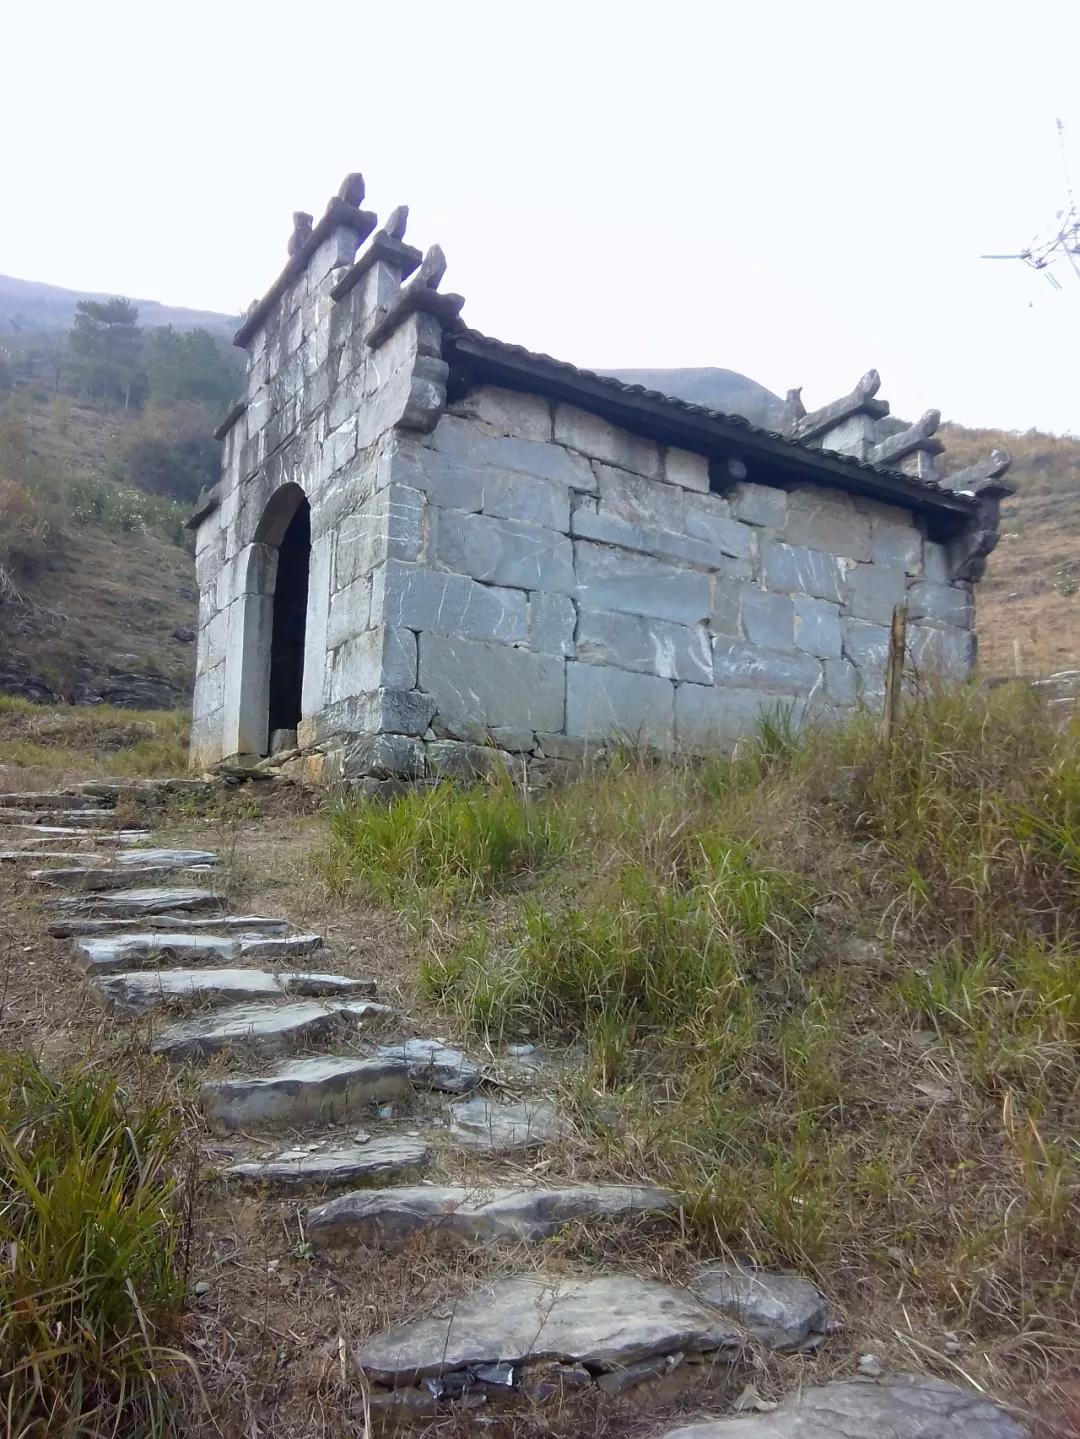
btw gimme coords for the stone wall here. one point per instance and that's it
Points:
(566, 582)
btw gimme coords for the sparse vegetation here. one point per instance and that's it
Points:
(827, 991)
(92, 1277)
(99, 739)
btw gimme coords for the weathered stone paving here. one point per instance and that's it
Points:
(898, 1407)
(301, 1123)
(391, 1216)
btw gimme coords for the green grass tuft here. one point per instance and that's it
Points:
(91, 1281)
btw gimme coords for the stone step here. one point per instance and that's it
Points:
(115, 790)
(381, 1217)
(267, 1029)
(172, 858)
(435, 1065)
(319, 1090)
(92, 819)
(73, 856)
(147, 950)
(506, 1128)
(144, 990)
(387, 1155)
(48, 799)
(784, 1311)
(91, 879)
(606, 1323)
(249, 926)
(49, 833)
(125, 903)
(899, 1406)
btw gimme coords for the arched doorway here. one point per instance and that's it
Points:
(287, 627)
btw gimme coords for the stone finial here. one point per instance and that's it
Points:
(431, 271)
(982, 476)
(794, 410)
(301, 231)
(352, 189)
(913, 448)
(395, 224)
(847, 424)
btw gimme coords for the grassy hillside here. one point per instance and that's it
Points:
(1030, 596)
(98, 599)
(29, 305)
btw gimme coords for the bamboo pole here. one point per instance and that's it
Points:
(894, 672)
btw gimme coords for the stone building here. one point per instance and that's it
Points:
(425, 540)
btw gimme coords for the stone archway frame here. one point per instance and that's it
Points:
(251, 627)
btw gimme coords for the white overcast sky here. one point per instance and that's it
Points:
(798, 191)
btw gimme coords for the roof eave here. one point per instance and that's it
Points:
(691, 427)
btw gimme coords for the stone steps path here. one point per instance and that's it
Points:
(291, 1073)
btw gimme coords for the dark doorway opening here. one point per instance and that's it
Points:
(290, 615)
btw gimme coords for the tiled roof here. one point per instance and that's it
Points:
(468, 343)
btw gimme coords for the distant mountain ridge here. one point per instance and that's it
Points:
(723, 390)
(30, 305)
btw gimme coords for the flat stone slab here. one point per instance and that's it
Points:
(268, 1029)
(53, 820)
(319, 1090)
(784, 1310)
(435, 1065)
(245, 926)
(170, 858)
(604, 1323)
(94, 879)
(389, 1155)
(387, 1216)
(43, 833)
(106, 953)
(502, 1128)
(144, 990)
(124, 903)
(36, 855)
(48, 799)
(899, 1406)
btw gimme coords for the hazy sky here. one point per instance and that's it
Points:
(798, 191)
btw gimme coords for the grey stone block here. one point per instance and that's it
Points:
(417, 598)
(768, 619)
(514, 741)
(726, 614)
(552, 619)
(873, 591)
(462, 440)
(759, 505)
(604, 704)
(866, 645)
(794, 569)
(841, 686)
(729, 537)
(563, 746)
(492, 683)
(648, 646)
(455, 759)
(821, 520)
(384, 756)
(750, 666)
(349, 612)
(628, 497)
(896, 543)
(817, 627)
(943, 604)
(504, 552)
(320, 1090)
(687, 470)
(383, 711)
(615, 579)
(946, 651)
(594, 437)
(379, 658)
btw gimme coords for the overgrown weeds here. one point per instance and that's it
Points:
(826, 990)
(92, 1277)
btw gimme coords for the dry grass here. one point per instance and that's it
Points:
(57, 742)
